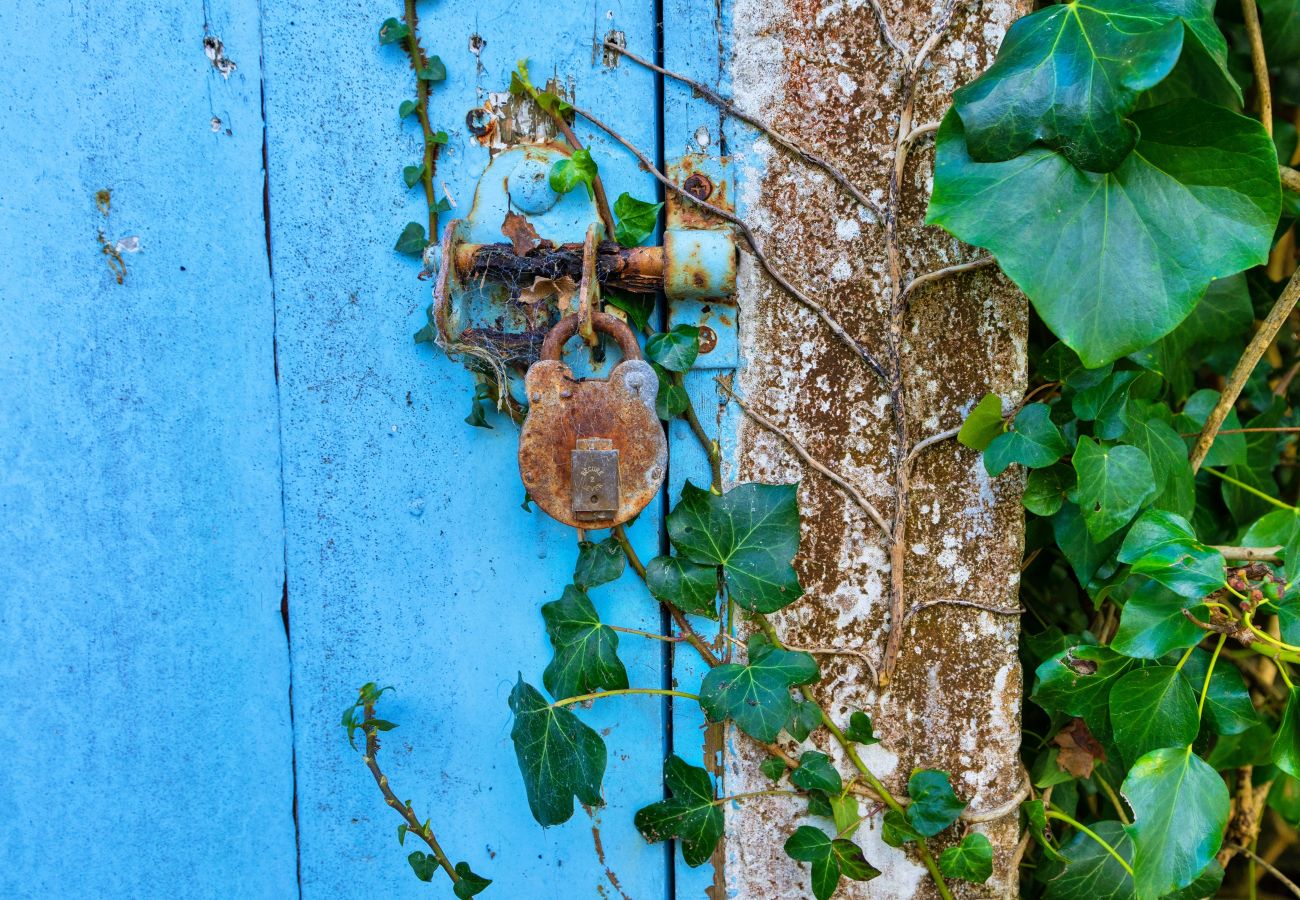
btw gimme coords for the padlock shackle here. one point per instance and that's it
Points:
(613, 326)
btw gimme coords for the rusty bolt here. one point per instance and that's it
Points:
(699, 186)
(477, 121)
(708, 339)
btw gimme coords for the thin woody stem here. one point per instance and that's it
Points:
(419, 62)
(710, 446)
(597, 186)
(1263, 86)
(413, 824)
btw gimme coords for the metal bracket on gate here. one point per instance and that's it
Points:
(486, 292)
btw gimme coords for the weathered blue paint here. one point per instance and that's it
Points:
(409, 557)
(141, 552)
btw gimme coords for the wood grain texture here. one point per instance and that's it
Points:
(410, 561)
(141, 551)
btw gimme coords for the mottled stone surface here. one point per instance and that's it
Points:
(821, 73)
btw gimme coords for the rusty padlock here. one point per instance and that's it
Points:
(592, 452)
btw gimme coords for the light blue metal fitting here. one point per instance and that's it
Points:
(699, 263)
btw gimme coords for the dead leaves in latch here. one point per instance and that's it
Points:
(523, 236)
(1080, 751)
(562, 289)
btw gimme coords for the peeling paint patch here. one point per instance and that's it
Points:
(215, 51)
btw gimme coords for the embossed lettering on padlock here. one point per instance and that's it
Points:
(592, 452)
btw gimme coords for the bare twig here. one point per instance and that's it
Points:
(1290, 178)
(1006, 808)
(921, 280)
(1251, 554)
(834, 477)
(736, 112)
(920, 131)
(954, 601)
(413, 824)
(822, 313)
(710, 446)
(1267, 867)
(1280, 429)
(887, 33)
(1284, 383)
(923, 445)
(1263, 86)
(1277, 316)
(838, 651)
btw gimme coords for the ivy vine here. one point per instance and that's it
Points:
(1109, 164)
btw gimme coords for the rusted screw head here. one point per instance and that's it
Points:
(699, 186)
(708, 339)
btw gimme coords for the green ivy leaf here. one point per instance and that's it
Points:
(1086, 556)
(756, 696)
(412, 175)
(772, 767)
(934, 806)
(1091, 872)
(1114, 483)
(1286, 746)
(1227, 702)
(1046, 489)
(1152, 623)
(586, 651)
(1065, 78)
(672, 399)
(1149, 430)
(691, 587)
(675, 350)
(1180, 808)
(1152, 708)
(1114, 262)
(1163, 546)
(860, 729)
(1105, 404)
(971, 860)
(1281, 27)
(407, 107)
(401, 834)
(435, 71)
(424, 865)
(983, 423)
(830, 859)
(815, 773)
(805, 718)
(1078, 681)
(439, 137)
(846, 813)
(1032, 440)
(579, 169)
(559, 757)
(1222, 314)
(470, 884)
(752, 531)
(1036, 814)
(637, 307)
(636, 219)
(690, 815)
(896, 831)
(412, 240)
(598, 563)
(390, 32)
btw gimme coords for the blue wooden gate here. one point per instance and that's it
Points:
(232, 489)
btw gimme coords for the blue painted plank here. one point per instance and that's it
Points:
(141, 551)
(409, 558)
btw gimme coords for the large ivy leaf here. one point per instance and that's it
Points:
(559, 757)
(691, 814)
(1066, 76)
(1152, 623)
(1114, 262)
(1227, 702)
(1086, 556)
(598, 563)
(1114, 483)
(934, 806)
(1180, 808)
(971, 860)
(470, 883)
(1078, 681)
(756, 696)
(1163, 546)
(1286, 747)
(815, 773)
(752, 531)
(689, 586)
(1091, 873)
(1046, 489)
(1222, 314)
(830, 858)
(1032, 440)
(586, 650)
(1152, 708)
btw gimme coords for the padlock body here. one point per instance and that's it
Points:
(592, 453)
